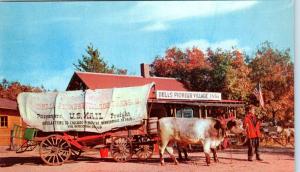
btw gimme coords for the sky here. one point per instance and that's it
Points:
(40, 41)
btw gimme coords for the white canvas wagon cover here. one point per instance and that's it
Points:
(97, 110)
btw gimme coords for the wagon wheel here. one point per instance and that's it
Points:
(241, 140)
(75, 153)
(263, 141)
(121, 149)
(282, 140)
(290, 140)
(55, 150)
(144, 150)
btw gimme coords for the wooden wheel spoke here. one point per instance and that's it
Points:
(127, 151)
(64, 143)
(64, 152)
(55, 140)
(50, 158)
(52, 141)
(46, 151)
(47, 143)
(53, 160)
(56, 158)
(117, 155)
(61, 158)
(58, 141)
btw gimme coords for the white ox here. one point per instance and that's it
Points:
(209, 132)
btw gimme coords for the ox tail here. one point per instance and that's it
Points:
(158, 133)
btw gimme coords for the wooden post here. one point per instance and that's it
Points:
(200, 115)
(205, 112)
(234, 113)
(174, 112)
(227, 112)
(12, 140)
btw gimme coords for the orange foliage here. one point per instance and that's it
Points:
(175, 63)
(11, 90)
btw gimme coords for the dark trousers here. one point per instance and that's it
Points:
(182, 149)
(253, 143)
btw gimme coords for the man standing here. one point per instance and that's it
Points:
(252, 126)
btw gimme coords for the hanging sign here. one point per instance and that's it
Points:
(187, 95)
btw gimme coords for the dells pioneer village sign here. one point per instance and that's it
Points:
(187, 95)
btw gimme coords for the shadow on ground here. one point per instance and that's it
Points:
(89, 157)
(264, 150)
(11, 161)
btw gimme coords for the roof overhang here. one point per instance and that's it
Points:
(221, 103)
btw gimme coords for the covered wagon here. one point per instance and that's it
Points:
(70, 122)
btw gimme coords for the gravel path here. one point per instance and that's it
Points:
(231, 160)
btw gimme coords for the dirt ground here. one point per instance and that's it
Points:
(231, 160)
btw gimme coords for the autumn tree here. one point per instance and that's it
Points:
(235, 75)
(178, 64)
(10, 90)
(93, 62)
(273, 69)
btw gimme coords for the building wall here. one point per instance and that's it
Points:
(13, 118)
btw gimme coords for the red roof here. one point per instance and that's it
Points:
(103, 80)
(8, 104)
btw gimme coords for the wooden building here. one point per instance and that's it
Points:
(185, 106)
(9, 116)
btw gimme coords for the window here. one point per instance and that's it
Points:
(3, 121)
(184, 113)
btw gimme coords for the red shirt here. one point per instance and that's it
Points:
(252, 126)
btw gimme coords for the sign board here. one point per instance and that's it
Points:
(91, 110)
(187, 95)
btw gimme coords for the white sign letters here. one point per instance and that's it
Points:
(187, 95)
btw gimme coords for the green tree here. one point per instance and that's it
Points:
(93, 62)
(237, 80)
(200, 79)
(220, 62)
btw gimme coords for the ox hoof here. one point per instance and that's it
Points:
(176, 162)
(162, 163)
(217, 160)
